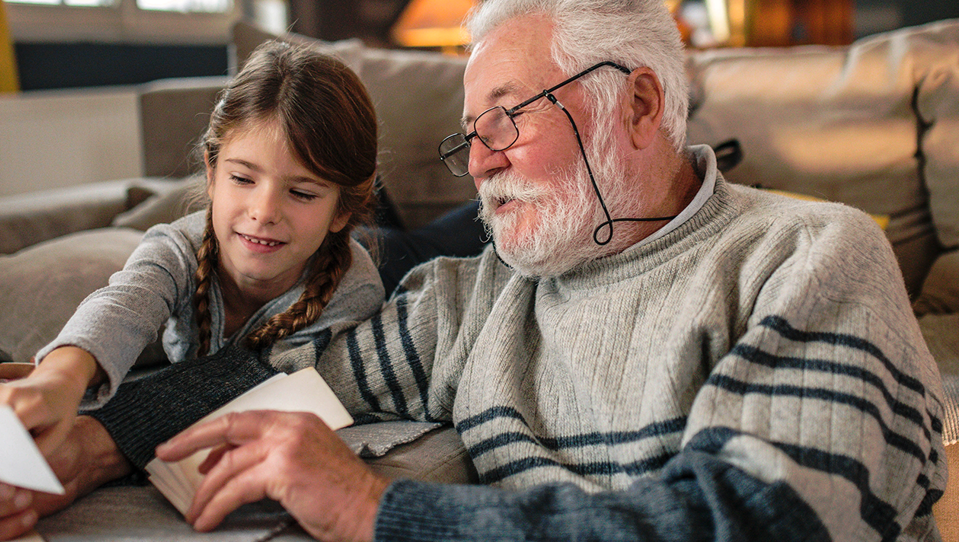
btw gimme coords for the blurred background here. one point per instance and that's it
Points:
(55, 44)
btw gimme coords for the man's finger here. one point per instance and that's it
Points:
(232, 463)
(17, 524)
(233, 428)
(243, 488)
(13, 500)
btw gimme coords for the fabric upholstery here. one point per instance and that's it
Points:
(841, 124)
(41, 286)
(169, 135)
(934, 58)
(940, 291)
(419, 100)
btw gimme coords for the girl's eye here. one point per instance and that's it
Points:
(305, 196)
(240, 180)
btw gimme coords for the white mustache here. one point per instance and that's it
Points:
(507, 187)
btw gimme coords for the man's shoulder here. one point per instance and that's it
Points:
(459, 272)
(787, 209)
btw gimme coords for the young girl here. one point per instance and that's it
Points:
(290, 158)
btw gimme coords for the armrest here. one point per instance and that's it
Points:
(174, 113)
(38, 216)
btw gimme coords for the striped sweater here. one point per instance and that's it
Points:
(755, 374)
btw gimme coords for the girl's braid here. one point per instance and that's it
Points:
(332, 262)
(206, 265)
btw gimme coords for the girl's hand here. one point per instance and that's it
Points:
(87, 459)
(47, 400)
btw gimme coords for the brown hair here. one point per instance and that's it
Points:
(331, 125)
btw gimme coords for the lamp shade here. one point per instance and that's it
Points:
(432, 23)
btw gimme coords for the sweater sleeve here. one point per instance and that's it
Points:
(403, 362)
(822, 421)
(116, 322)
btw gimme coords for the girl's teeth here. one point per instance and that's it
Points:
(258, 241)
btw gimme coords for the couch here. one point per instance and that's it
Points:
(874, 125)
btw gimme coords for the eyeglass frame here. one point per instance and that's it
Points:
(513, 112)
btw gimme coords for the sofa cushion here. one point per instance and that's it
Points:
(41, 286)
(940, 290)
(419, 100)
(162, 203)
(832, 122)
(28, 219)
(174, 113)
(934, 57)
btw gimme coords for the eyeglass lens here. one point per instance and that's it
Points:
(494, 127)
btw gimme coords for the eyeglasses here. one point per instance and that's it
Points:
(497, 130)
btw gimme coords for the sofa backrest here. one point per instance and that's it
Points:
(874, 125)
(419, 100)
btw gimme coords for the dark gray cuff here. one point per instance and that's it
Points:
(149, 410)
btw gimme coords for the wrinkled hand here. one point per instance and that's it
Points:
(87, 459)
(292, 458)
(46, 401)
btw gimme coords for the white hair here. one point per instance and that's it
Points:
(634, 33)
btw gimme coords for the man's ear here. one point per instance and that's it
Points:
(644, 107)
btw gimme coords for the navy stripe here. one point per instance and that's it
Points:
(611, 438)
(487, 415)
(412, 356)
(605, 468)
(783, 327)
(386, 365)
(359, 371)
(759, 357)
(877, 513)
(892, 438)
(322, 341)
(925, 507)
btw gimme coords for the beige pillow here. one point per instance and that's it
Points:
(940, 291)
(934, 52)
(419, 101)
(162, 203)
(840, 123)
(41, 286)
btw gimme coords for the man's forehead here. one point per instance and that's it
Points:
(508, 65)
(501, 93)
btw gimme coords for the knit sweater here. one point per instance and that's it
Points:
(155, 288)
(754, 374)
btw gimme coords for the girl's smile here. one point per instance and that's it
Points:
(270, 213)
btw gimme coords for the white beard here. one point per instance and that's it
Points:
(567, 213)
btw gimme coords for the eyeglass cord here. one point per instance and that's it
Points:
(609, 218)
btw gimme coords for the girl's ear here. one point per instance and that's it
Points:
(209, 174)
(644, 107)
(339, 222)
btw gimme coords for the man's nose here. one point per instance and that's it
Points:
(484, 163)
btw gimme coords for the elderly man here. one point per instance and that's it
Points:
(648, 353)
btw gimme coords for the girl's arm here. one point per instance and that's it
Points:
(47, 400)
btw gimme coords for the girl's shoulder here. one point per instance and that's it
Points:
(186, 230)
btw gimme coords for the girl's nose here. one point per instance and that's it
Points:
(265, 206)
